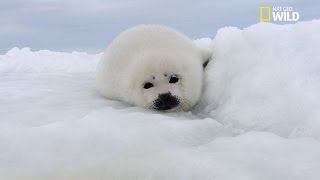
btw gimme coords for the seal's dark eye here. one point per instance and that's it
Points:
(148, 85)
(173, 79)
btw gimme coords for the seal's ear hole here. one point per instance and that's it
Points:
(206, 56)
(205, 64)
(148, 85)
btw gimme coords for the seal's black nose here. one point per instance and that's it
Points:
(166, 101)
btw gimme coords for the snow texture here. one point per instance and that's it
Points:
(259, 117)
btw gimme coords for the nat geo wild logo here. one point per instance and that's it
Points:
(278, 14)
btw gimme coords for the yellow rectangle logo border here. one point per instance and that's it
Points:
(262, 19)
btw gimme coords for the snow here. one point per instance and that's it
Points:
(259, 117)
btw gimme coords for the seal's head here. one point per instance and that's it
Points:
(167, 81)
(154, 67)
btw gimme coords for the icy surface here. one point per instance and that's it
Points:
(259, 117)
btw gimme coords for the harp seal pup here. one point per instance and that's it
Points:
(153, 66)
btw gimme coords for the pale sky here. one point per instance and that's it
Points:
(89, 26)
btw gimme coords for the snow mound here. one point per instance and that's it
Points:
(266, 77)
(259, 117)
(25, 60)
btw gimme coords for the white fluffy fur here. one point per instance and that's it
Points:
(146, 51)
